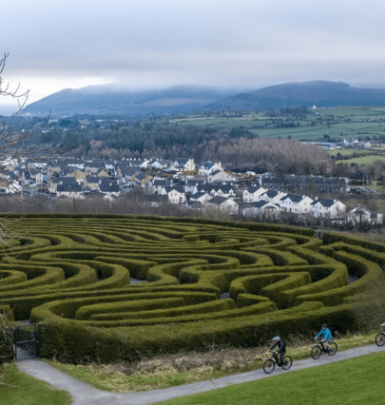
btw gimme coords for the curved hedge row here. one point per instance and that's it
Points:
(118, 287)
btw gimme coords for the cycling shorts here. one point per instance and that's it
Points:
(328, 341)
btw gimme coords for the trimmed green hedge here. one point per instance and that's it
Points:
(72, 274)
(74, 342)
(370, 274)
(205, 308)
(106, 309)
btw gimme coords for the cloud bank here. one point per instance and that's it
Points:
(160, 43)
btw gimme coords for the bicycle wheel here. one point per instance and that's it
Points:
(380, 339)
(316, 352)
(287, 362)
(333, 350)
(269, 366)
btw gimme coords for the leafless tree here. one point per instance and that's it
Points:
(14, 133)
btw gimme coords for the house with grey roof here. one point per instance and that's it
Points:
(361, 215)
(262, 209)
(54, 182)
(176, 194)
(219, 176)
(224, 204)
(327, 208)
(252, 194)
(208, 167)
(201, 197)
(109, 187)
(272, 196)
(183, 164)
(296, 204)
(222, 190)
(69, 190)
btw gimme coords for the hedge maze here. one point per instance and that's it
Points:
(109, 288)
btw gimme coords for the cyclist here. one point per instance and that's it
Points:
(327, 335)
(281, 349)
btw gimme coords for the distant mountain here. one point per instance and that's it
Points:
(321, 93)
(111, 100)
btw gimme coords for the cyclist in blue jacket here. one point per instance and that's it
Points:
(327, 335)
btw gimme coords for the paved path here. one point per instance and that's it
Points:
(83, 394)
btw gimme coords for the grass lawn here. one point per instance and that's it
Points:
(349, 122)
(351, 111)
(109, 378)
(364, 159)
(27, 390)
(347, 152)
(351, 382)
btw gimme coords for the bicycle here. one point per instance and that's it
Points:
(380, 338)
(317, 350)
(269, 365)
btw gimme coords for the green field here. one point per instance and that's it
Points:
(350, 382)
(21, 389)
(347, 152)
(365, 159)
(338, 123)
(352, 111)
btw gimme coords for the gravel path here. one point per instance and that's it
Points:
(83, 394)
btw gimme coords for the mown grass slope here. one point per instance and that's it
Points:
(351, 382)
(17, 388)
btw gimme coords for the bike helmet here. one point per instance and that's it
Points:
(324, 325)
(276, 338)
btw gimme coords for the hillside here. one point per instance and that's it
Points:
(321, 93)
(111, 100)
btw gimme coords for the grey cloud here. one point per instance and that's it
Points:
(220, 42)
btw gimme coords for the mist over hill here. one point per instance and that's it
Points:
(111, 100)
(321, 93)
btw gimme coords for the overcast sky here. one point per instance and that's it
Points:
(158, 43)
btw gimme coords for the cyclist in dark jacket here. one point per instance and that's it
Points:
(281, 349)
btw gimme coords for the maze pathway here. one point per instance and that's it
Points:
(84, 394)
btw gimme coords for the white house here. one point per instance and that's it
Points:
(110, 187)
(218, 176)
(266, 209)
(41, 178)
(62, 181)
(201, 197)
(69, 190)
(176, 194)
(326, 208)
(156, 185)
(224, 204)
(208, 167)
(361, 215)
(143, 165)
(252, 194)
(222, 190)
(185, 165)
(192, 185)
(297, 204)
(272, 196)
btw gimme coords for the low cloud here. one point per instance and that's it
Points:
(150, 43)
